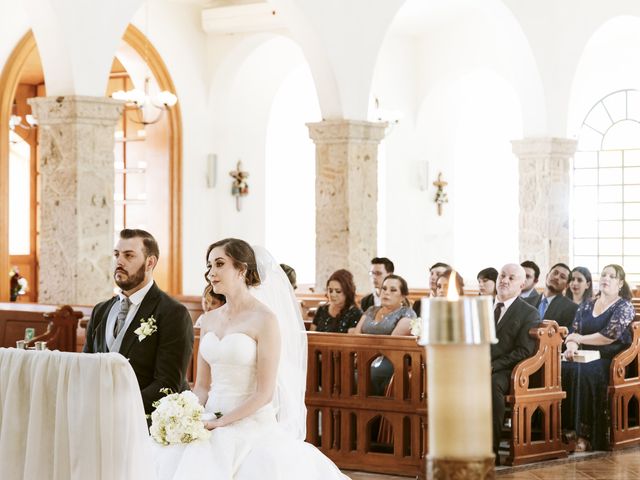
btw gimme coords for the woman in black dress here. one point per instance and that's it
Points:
(340, 313)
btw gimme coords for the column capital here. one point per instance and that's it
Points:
(544, 147)
(343, 131)
(100, 111)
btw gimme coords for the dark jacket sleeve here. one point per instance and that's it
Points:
(175, 337)
(523, 346)
(97, 315)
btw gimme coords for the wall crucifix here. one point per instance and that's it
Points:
(441, 195)
(239, 186)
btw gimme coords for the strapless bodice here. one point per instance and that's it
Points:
(233, 369)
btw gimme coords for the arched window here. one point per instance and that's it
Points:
(606, 186)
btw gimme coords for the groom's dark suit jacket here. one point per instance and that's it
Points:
(514, 343)
(160, 360)
(561, 309)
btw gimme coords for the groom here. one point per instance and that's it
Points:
(142, 323)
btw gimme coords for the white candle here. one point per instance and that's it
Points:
(457, 335)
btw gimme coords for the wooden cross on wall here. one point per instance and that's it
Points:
(441, 195)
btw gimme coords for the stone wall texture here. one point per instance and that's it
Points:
(346, 197)
(544, 234)
(76, 141)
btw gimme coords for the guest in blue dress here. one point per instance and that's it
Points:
(601, 324)
(392, 317)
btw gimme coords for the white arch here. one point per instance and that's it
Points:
(77, 41)
(341, 55)
(604, 67)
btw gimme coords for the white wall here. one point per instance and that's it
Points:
(460, 85)
(290, 175)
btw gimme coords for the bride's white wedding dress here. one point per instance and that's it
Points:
(254, 447)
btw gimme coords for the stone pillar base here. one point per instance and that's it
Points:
(461, 469)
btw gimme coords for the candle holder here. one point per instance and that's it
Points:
(457, 333)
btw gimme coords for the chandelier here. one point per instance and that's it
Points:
(16, 121)
(150, 107)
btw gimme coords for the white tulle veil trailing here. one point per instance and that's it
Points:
(276, 292)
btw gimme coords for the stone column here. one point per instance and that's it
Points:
(76, 141)
(346, 197)
(544, 199)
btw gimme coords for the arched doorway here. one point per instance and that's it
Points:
(170, 191)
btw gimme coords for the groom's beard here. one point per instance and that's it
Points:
(131, 281)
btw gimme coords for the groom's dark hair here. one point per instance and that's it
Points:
(149, 243)
(242, 256)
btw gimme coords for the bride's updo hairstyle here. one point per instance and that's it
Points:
(242, 256)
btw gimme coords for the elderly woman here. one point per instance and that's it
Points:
(341, 313)
(392, 317)
(601, 324)
(580, 285)
(442, 284)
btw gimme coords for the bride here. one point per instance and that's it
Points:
(252, 370)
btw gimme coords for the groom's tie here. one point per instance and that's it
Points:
(125, 303)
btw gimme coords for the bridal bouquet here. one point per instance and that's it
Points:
(177, 419)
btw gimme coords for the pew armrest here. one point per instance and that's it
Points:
(549, 336)
(625, 358)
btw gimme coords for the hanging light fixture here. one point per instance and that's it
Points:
(145, 103)
(142, 100)
(16, 121)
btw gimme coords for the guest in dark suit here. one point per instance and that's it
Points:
(514, 317)
(435, 271)
(381, 267)
(553, 305)
(529, 293)
(142, 322)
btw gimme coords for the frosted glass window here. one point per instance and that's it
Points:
(632, 158)
(609, 211)
(586, 160)
(606, 186)
(610, 159)
(610, 194)
(586, 176)
(19, 196)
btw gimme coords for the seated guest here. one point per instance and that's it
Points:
(580, 285)
(210, 301)
(291, 274)
(341, 313)
(380, 268)
(529, 293)
(435, 271)
(600, 324)
(487, 278)
(390, 318)
(552, 304)
(442, 284)
(514, 317)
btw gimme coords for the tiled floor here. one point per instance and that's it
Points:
(624, 465)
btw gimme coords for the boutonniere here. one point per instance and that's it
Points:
(146, 329)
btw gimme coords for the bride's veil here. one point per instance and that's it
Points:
(276, 292)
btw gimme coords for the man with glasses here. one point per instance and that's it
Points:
(380, 268)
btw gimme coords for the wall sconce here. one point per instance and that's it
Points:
(239, 186)
(423, 175)
(212, 167)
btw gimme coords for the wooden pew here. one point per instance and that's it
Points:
(624, 394)
(536, 387)
(57, 326)
(341, 412)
